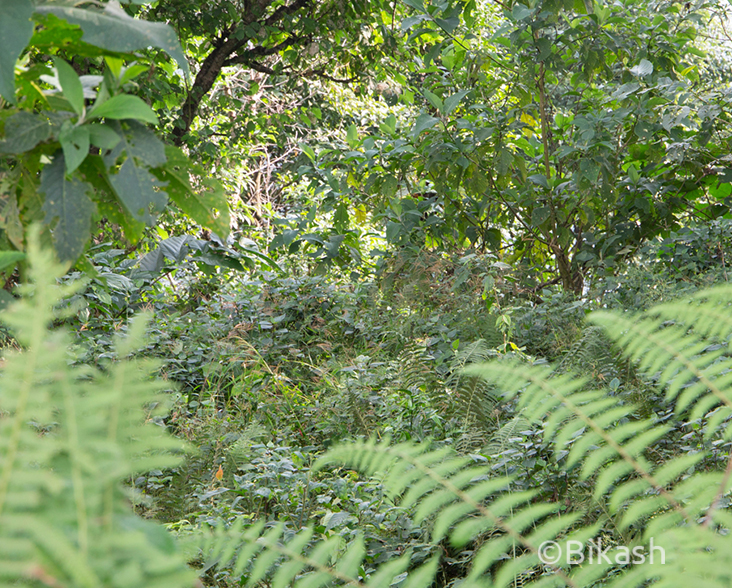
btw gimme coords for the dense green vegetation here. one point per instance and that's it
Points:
(371, 293)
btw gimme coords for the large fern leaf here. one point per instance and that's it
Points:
(69, 437)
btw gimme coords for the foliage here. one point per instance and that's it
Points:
(564, 134)
(69, 438)
(463, 309)
(465, 502)
(76, 146)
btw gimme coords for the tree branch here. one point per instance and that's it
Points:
(228, 43)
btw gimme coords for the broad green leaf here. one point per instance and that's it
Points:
(67, 207)
(71, 86)
(113, 29)
(433, 99)
(352, 136)
(124, 106)
(389, 125)
(16, 29)
(115, 65)
(75, 143)
(133, 183)
(505, 158)
(142, 143)
(198, 204)
(416, 4)
(393, 231)
(539, 215)
(8, 258)
(103, 136)
(451, 102)
(424, 121)
(217, 258)
(23, 131)
(333, 245)
(448, 24)
(544, 45)
(340, 218)
(131, 72)
(268, 260)
(94, 171)
(540, 180)
(307, 150)
(10, 219)
(410, 21)
(6, 299)
(521, 12)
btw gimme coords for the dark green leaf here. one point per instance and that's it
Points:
(644, 68)
(142, 143)
(333, 245)
(352, 136)
(451, 102)
(539, 215)
(392, 231)
(505, 158)
(152, 262)
(389, 125)
(103, 136)
(133, 183)
(410, 21)
(23, 131)
(433, 99)
(521, 12)
(307, 150)
(448, 24)
(75, 143)
(16, 29)
(544, 46)
(216, 258)
(539, 179)
(424, 122)
(94, 171)
(114, 30)
(136, 189)
(268, 260)
(416, 4)
(6, 299)
(340, 219)
(124, 106)
(68, 206)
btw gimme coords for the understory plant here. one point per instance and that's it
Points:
(73, 439)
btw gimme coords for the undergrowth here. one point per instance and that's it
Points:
(412, 470)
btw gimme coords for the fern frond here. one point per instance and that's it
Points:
(258, 553)
(463, 501)
(506, 437)
(587, 423)
(695, 370)
(69, 437)
(593, 355)
(472, 397)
